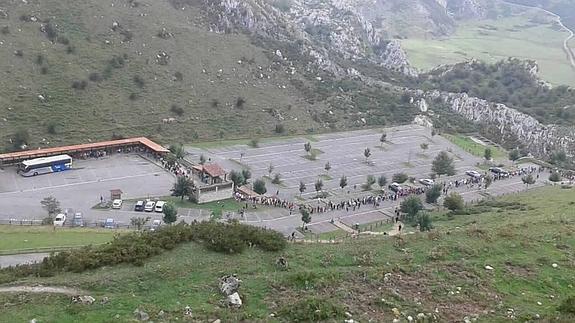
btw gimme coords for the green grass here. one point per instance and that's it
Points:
(18, 238)
(526, 35)
(520, 236)
(217, 208)
(474, 148)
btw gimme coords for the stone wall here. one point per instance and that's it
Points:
(215, 192)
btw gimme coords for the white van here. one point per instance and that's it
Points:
(59, 220)
(160, 206)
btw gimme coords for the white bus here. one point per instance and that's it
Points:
(45, 165)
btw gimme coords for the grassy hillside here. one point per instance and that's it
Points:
(439, 274)
(525, 35)
(121, 87)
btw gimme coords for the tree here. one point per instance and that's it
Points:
(555, 177)
(237, 178)
(302, 188)
(528, 180)
(305, 217)
(327, 167)
(411, 206)
(270, 170)
(260, 186)
(246, 174)
(488, 181)
(21, 139)
(443, 164)
(318, 185)
(202, 159)
(183, 187)
(400, 178)
(51, 205)
(424, 146)
(383, 138)
(424, 221)
(343, 182)
(381, 181)
(367, 153)
(433, 194)
(307, 147)
(454, 202)
(177, 150)
(369, 181)
(170, 213)
(277, 179)
(487, 154)
(514, 155)
(139, 222)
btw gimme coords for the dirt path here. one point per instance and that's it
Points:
(41, 289)
(566, 48)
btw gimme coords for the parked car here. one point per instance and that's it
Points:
(59, 220)
(160, 206)
(78, 220)
(109, 224)
(155, 225)
(140, 205)
(499, 171)
(117, 204)
(395, 187)
(473, 173)
(427, 181)
(149, 207)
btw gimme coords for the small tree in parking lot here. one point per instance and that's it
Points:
(183, 187)
(51, 205)
(170, 213)
(305, 217)
(139, 222)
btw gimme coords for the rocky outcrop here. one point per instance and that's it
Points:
(539, 139)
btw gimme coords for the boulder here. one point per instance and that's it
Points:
(229, 284)
(141, 315)
(234, 300)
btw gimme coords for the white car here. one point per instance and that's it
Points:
(473, 173)
(149, 206)
(155, 225)
(395, 187)
(117, 204)
(59, 220)
(160, 206)
(427, 182)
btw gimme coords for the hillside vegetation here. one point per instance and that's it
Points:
(527, 241)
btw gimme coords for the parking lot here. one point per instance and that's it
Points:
(80, 189)
(345, 153)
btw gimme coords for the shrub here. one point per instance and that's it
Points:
(454, 202)
(567, 306)
(240, 102)
(277, 179)
(432, 194)
(134, 248)
(43, 70)
(280, 128)
(400, 178)
(555, 177)
(51, 128)
(178, 76)
(79, 85)
(39, 59)
(117, 62)
(63, 40)
(5, 30)
(177, 110)
(19, 53)
(139, 81)
(133, 97)
(95, 77)
(70, 49)
(260, 186)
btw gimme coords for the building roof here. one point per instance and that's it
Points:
(214, 170)
(247, 191)
(44, 152)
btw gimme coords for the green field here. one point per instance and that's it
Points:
(519, 236)
(474, 148)
(528, 35)
(217, 208)
(20, 238)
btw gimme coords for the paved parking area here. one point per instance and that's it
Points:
(80, 189)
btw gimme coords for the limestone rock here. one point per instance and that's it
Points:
(234, 300)
(229, 284)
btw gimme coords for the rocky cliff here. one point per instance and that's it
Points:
(539, 139)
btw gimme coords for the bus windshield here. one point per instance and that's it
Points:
(45, 165)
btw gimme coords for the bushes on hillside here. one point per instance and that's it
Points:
(136, 247)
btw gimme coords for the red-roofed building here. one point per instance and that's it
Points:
(210, 174)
